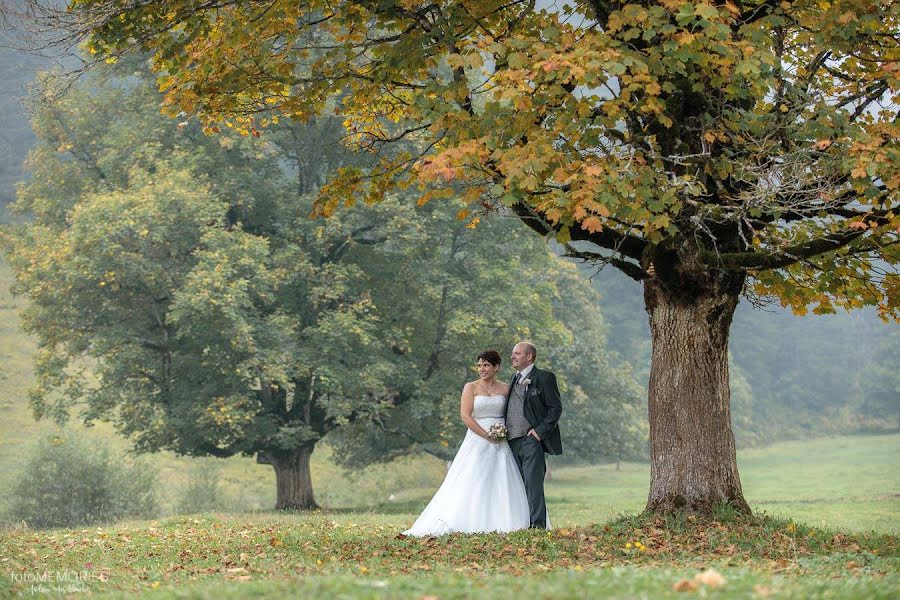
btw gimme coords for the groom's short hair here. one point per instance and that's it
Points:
(530, 349)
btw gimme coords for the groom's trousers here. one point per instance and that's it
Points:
(529, 454)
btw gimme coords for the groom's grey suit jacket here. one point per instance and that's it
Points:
(542, 408)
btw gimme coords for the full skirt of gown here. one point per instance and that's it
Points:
(483, 490)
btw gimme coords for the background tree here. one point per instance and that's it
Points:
(616, 428)
(742, 145)
(540, 299)
(178, 289)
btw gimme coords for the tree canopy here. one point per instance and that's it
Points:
(178, 289)
(761, 133)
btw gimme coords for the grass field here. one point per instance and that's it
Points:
(828, 513)
(848, 483)
(359, 554)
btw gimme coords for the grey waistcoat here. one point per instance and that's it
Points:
(516, 424)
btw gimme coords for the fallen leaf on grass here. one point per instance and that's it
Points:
(781, 564)
(762, 591)
(710, 577)
(685, 585)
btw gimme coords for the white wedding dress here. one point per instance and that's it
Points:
(483, 489)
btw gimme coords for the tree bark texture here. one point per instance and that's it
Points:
(693, 466)
(293, 479)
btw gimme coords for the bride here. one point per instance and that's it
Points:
(483, 490)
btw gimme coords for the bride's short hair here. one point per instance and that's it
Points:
(492, 356)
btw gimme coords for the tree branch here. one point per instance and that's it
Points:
(760, 11)
(628, 245)
(214, 450)
(760, 261)
(629, 268)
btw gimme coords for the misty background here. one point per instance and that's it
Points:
(792, 378)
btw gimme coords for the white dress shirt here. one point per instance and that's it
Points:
(523, 374)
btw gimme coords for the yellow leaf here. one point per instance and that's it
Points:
(684, 38)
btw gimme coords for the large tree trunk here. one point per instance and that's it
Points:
(292, 476)
(693, 466)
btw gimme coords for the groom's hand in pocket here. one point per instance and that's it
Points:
(534, 434)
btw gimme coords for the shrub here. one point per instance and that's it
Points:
(67, 480)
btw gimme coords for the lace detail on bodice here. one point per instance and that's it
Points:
(489, 407)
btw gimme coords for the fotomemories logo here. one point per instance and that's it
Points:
(60, 582)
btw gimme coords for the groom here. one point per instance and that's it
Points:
(532, 412)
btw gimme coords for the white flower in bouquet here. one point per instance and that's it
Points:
(497, 431)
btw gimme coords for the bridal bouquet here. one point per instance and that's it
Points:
(497, 431)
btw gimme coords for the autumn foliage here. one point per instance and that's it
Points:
(738, 147)
(761, 133)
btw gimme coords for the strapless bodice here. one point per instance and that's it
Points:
(489, 407)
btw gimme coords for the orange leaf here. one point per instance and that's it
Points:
(592, 224)
(685, 585)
